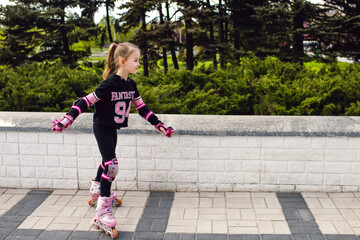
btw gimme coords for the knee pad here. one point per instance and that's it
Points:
(111, 169)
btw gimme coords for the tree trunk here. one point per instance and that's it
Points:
(163, 49)
(108, 21)
(65, 40)
(235, 13)
(298, 38)
(172, 43)
(189, 46)
(212, 39)
(222, 36)
(144, 44)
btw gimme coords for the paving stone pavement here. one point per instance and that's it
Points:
(64, 214)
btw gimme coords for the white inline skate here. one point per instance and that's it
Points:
(95, 193)
(104, 218)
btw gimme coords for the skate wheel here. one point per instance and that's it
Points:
(117, 203)
(114, 233)
(91, 203)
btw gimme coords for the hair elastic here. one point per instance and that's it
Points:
(116, 45)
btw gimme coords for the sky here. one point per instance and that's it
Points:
(101, 12)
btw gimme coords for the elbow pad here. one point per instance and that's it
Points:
(145, 111)
(82, 104)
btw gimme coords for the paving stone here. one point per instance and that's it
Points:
(316, 237)
(306, 215)
(159, 225)
(161, 194)
(305, 230)
(291, 214)
(154, 215)
(251, 237)
(172, 236)
(236, 237)
(4, 232)
(26, 232)
(185, 236)
(275, 237)
(153, 202)
(144, 225)
(55, 235)
(341, 237)
(86, 235)
(21, 238)
(296, 223)
(300, 237)
(288, 195)
(211, 237)
(123, 236)
(149, 235)
(294, 205)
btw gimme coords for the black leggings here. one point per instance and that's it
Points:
(106, 138)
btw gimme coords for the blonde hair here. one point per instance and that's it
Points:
(115, 52)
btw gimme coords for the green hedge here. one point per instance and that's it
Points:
(260, 87)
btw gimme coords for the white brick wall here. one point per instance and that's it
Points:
(183, 163)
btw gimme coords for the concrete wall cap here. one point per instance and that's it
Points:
(205, 125)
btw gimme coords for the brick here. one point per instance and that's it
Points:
(272, 142)
(296, 167)
(163, 164)
(337, 142)
(245, 153)
(166, 153)
(233, 142)
(48, 172)
(233, 165)
(337, 167)
(297, 142)
(27, 172)
(30, 137)
(51, 138)
(294, 178)
(211, 165)
(51, 161)
(340, 155)
(152, 176)
(127, 151)
(251, 165)
(354, 143)
(185, 176)
(309, 154)
(229, 177)
(213, 153)
(33, 149)
(208, 142)
(275, 166)
(185, 165)
(144, 152)
(11, 160)
(62, 150)
(277, 154)
(68, 161)
(12, 137)
(189, 153)
(32, 160)
(9, 148)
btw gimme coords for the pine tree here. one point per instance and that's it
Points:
(338, 28)
(49, 29)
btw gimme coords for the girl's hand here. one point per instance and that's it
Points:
(167, 131)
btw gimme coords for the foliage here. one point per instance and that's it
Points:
(44, 86)
(253, 87)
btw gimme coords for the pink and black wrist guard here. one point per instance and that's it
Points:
(168, 130)
(59, 126)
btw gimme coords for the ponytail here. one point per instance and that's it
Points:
(115, 52)
(110, 62)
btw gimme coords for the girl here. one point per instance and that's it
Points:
(112, 100)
